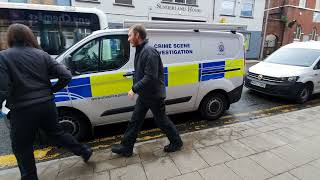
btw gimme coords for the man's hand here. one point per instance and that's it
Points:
(131, 94)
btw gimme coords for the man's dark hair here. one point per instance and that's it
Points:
(21, 35)
(140, 29)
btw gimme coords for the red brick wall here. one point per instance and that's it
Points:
(302, 16)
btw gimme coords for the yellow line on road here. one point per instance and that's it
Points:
(10, 160)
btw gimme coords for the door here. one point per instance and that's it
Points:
(316, 77)
(102, 79)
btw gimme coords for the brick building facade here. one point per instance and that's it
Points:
(291, 20)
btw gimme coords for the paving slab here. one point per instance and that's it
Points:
(188, 161)
(247, 169)
(272, 162)
(306, 172)
(162, 168)
(131, 172)
(214, 155)
(219, 172)
(236, 149)
(189, 176)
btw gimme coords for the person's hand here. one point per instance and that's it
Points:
(131, 94)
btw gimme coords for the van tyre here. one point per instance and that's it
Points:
(74, 123)
(213, 106)
(304, 94)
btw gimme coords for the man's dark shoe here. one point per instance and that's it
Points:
(86, 154)
(122, 150)
(173, 147)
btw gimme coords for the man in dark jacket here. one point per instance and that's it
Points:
(25, 73)
(149, 85)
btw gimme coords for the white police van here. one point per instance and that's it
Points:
(203, 65)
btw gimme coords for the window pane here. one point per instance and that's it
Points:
(228, 7)
(115, 53)
(123, 1)
(316, 17)
(18, 1)
(167, 0)
(64, 2)
(246, 10)
(180, 1)
(86, 59)
(302, 3)
(193, 2)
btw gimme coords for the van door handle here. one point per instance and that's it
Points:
(128, 74)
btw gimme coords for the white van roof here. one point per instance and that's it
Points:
(185, 25)
(304, 45)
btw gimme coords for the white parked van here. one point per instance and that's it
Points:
(203, 65)
(292, 72)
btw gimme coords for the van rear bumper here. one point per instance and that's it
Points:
(235, 95)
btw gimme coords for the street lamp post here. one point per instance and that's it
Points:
(265, 30)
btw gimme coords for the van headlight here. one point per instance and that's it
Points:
(293, 78)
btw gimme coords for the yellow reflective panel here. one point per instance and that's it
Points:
(110, 84)
(234, 64)
(182, 75)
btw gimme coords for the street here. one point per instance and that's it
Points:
(251, 106)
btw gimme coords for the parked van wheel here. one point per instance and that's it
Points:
(304, 94)
(213, 106)
(74, 123)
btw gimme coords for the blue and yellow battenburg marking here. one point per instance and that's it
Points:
(177, 75)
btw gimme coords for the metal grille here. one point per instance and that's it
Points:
(265, 78)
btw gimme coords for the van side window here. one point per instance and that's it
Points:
(101, 54)
(86, 59)
(317, 66)
(114, 52)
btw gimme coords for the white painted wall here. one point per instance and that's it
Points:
(254, 24)
(146, 9)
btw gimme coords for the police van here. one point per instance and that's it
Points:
(203, 68)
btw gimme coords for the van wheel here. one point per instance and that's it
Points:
(213, 106)
(74, 123)
(304, 94)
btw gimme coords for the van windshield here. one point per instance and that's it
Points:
(294, 57)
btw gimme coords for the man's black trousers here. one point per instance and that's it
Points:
(158, 110)
(24, 125)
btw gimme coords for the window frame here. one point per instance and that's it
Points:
(234, 8)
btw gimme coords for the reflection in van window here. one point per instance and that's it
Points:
(294, 57)
(86, 59)
(103, 54)
(115, 52)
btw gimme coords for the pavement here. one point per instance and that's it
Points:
(280, 147)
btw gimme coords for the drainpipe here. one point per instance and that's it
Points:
(265, 30)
